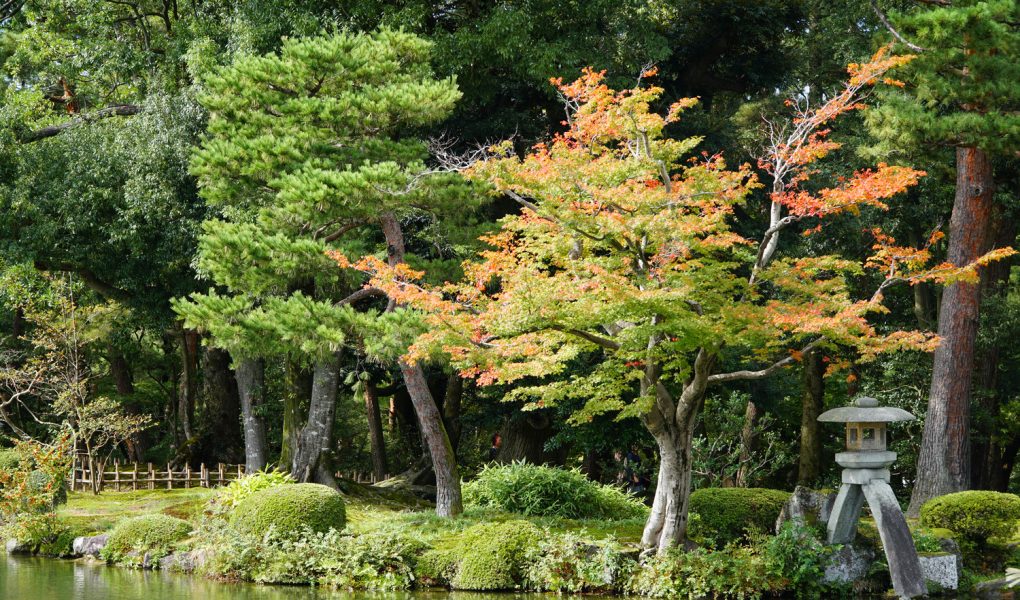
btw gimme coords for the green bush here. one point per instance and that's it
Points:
(730, 514)
(796, 559)
(238, 490)
(975, 516)
(736, 572)
(289, 509)
(40, 482)
(574, 564)
(9, 459)
(488, 556)
(534, 490)
(156, 535)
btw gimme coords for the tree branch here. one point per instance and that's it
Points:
(123, 110)
(96, 284)
(762, 373)
(361, 294)
(892, 30)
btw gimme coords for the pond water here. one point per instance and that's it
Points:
(30, 578)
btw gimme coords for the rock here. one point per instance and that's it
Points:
(942, 570)
(18, 547)
(850, 564)
(184, 562)
(89, 545)
(806, 506)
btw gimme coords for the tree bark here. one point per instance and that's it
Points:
(299, 389)
(188, 383)
(251, 387)
(451, 407)
(748, 443)
(125, 386)
(316, 436)
(809, 467)
(375, 431)
(943, 464)
(430, 421)
(221, 437)
(524, 437)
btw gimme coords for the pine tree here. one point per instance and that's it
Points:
(308, 152)
(963, 91)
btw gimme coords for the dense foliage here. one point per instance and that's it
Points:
(538, 490)
(145, 538)
(725, 515)
(286, 509)
(978, 517)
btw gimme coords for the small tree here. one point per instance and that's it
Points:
(628, 251)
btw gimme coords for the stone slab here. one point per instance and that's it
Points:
(943, 570)
(865, 476)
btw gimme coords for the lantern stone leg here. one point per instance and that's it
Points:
(842, 525)
(904, 565)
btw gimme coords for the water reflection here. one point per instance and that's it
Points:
(31, 578)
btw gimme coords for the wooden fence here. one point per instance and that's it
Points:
(135, 476)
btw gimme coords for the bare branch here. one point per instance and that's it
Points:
(123, 110)
(762, 373)
(892, 30)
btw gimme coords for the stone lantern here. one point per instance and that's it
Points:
(866, 463)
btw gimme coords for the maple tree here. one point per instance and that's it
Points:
(626, 249)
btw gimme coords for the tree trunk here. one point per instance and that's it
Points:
(299, 389)
(943, 464)
(18, 323)
(444, 460)
(667, 523)
(222, 439)
(430, 421)
(748, 444)
(809, 467)
(451, 407)
(125, 386)
(316, 436)
(524, 437)
(375, 431)
(1005, 465)
(251, 387)
(188, 382)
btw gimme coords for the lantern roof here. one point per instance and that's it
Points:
(865, 410)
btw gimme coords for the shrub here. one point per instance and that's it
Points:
(156, 535)
(239, 490)
(975, 516)
(731, 514)
(735, 572)
(796, 559)
(289, 509)
(572, 563)
(488, 556)
(40, 482)
(535, 490)
(9, 459)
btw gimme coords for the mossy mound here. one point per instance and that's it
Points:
(289, 509)
(541, 491)
(724, 515)
(152, 534)
(975, 516)
(489, 556)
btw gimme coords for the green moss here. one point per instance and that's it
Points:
(976, 516)
(489, 556)
(731, 514)
(289, 509)
(156, 535)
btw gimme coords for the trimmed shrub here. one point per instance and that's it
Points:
(156, 535)
(239, 490)
(290, 509)
(975, 516)
(535, 490)
(735, 572)
(731, 514)
(488, 556)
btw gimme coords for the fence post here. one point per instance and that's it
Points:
(220, 474)
(134, 478)
(116, 476)
(151, 477)
(169, 477)
(187, 476)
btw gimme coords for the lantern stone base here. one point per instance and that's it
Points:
(866, 459)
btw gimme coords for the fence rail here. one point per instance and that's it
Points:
(136, 476)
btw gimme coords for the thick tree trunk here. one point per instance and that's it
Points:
(221, 437)
(809, 467)
(943, 465)
(251, 387)
(748, 444)
(667, 523)
(299, 389)
(430, 421)
(316, 436)
(188, 383)
(524, 437)
(375, 431)
(18, 323)
(444, 460)
(1004, 465)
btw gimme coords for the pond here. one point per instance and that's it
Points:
(31, 578)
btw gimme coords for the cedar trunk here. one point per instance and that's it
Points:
(810, 464)
(375, 431)
(316, 436)
(251, 386)
(943, 464)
